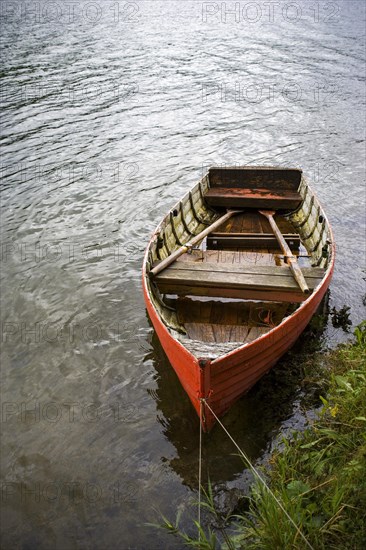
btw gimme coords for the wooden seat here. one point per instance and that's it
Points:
(274, 283)
(228, 197)
(224, 241)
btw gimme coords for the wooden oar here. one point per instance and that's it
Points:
(292, 261)
(183, 249)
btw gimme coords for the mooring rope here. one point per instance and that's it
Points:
(254, 470)
(200, 470)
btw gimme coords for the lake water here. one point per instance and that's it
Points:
(110, 112)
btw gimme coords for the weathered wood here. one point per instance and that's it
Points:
(244, 257)
(230, 313)
(291, 260)
(183, 249)
(231, 369)
(199, 279)
(271, 178)
(236, 197)
(295, 297)
(239, 269)
(218, 333)
(249, 240)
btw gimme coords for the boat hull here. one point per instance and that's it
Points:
(222, 381)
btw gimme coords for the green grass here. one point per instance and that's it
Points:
(319, 476)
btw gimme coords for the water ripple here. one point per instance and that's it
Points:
(104, 126)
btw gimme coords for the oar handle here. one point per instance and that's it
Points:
(169, 260)
(296, 270)
(196, 239)
(292, 261)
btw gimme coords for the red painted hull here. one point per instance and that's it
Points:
(224, 380)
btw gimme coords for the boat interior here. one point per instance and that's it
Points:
(236, 284)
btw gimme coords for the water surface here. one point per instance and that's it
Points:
(109, 113)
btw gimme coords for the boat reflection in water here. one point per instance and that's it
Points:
(255, 421)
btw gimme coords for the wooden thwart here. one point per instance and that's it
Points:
(235, 281)
(249, 240)
(237, 197)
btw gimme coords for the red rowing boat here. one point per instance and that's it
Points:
(232, 276)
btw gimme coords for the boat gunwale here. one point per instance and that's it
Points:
(195, 372)
(326, 277)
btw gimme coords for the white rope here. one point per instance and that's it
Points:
(200, 471)
(256, 473)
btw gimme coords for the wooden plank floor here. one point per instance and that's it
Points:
(209, 320)
(253, 222)
(218, 321)
(231, 313)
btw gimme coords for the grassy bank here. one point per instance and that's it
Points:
(319, 476)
